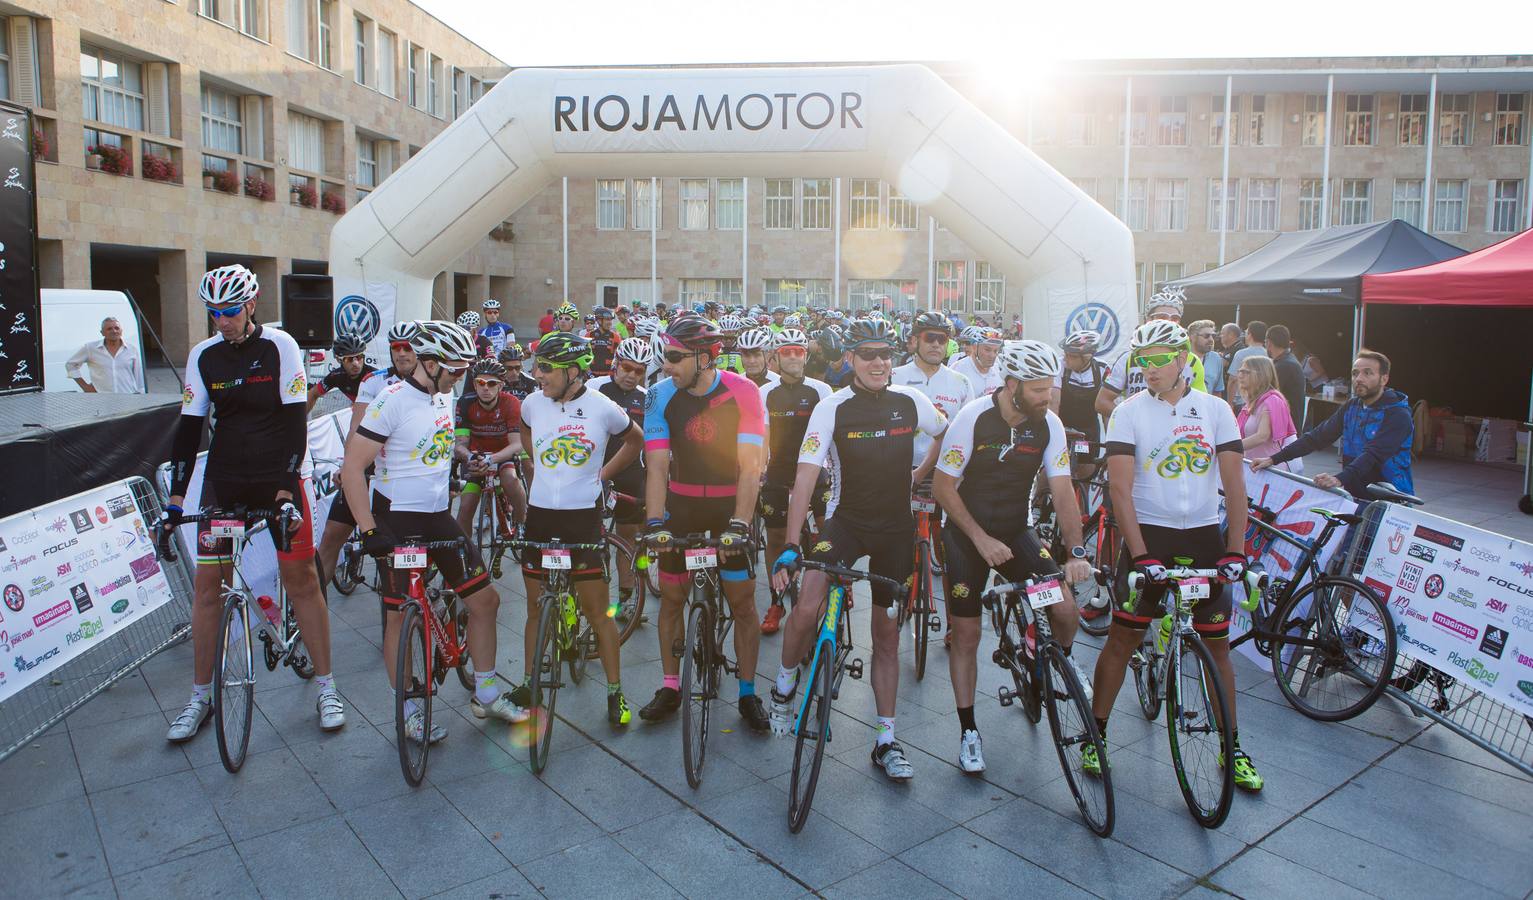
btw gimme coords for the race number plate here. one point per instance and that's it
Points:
(1195, 588)
(926, 506)
(1044, 593)
(702, 558)
(556, 559)
(1082, 447)
(226, 528)
(409, 557)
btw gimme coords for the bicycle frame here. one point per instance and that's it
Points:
(828, 642)
(1309, 552)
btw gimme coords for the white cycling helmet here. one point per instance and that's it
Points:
(1028, 360)
(469, 320)
(970, 335)
(732, 324)
(491, 304)
(403, 330)
(792, 321)
(1169, 297)
(443, 341)
(792, 337)
(1085, 341)
(228, 286)
(636, 350)
(756, 339)
(1159, 333)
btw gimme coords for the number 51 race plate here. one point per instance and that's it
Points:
(226, 528)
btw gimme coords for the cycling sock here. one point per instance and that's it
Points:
(201, 691)
(1102, 727)
(747, 688)
(614, 688)
(1235, 738)
(966, 719)
(787, 680)
(671, 681)
(485, 689)
(325, 683)
(885, 730)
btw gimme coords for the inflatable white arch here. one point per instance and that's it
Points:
(1073, 261)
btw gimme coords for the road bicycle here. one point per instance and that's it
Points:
(1099, 531)
(918, 605)
(348, 572)
(1173, 666)
(494, 522)
(234, 653)
(828, 664)
(626, 559)
(433, 637)
(558, 640)
(1062, 694)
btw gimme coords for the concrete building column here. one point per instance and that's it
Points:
(478, 291)
(268, 271)
(180, 272)
(64, 264)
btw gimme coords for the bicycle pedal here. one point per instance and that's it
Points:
(854, 669)
(1006, 695)
(933, 624)
(998, 657)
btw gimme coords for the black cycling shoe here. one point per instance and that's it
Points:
(666, 701)
(754, 713)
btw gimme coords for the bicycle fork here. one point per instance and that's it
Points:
(827, 642)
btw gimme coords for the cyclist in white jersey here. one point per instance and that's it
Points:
(980, 368)
(946, 388)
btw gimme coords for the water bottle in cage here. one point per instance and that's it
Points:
(271, 612)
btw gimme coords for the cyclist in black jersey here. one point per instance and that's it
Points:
(1076, 385)
(518, 383)
(351, 370)
(250, 378)
(625, 387)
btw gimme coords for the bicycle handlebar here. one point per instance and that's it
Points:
(277, 519)
(1255, 581)
(552, 545)
(847, 574)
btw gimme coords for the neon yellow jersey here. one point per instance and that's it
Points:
(1196, 365)
(730, 362)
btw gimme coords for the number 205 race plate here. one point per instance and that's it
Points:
(702, 558)
(409, 557)
(556, 559)
(1045, 593)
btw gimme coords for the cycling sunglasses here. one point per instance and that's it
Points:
(353, 356)
(487, 382)
(455, 371)
(219, 312)
(546, 368)
(399, 345)
(868, 354)
(792, 352)
(1156, 360)
(934, 337)
(630, 368)
(676, 356)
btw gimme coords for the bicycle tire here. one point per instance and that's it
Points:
(545, 683)
(411, 671)
(233, 703)
(697, 689)
(1146, 665)
(298, 658)
(348, 570)
(581, 636)
(1340, 652)
(1107, 561)
(920, 616)
(1209, 808)
(458, 611)
(1073, 726)
(629, 613)
(801, 784)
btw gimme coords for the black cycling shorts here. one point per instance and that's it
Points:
(773, 503)
(572, 526)
(968, 572)
(340, 511)
(630, 482)
(462, 571)
(1210, 617)
(890, 552)
(699, 515)
(226, 496)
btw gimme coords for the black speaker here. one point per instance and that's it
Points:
(308, 310)
(609, 296)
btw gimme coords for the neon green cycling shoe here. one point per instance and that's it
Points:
(1090, 763)
(617, 709)
(1246, 776)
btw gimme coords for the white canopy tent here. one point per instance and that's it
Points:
(1072, 260)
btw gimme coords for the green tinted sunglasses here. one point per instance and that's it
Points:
(1156, 360)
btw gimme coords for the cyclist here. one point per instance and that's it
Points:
(1170, 450)
(623, 325)
(497, 332)
(408, 430)
(703, 435)
(603, 342)
(729, 360)
(779, 313)
(250, 378)
(1125, 379)
(470, 321)
(517, 381)
(565, 426)
(566, 317)
(831, 352)
(990, 456)
(980, 366)
(625, 387)
(756, 355)
(788, 403)
(1077, 384)
(866, 431)
(489, 439)
(350, 354)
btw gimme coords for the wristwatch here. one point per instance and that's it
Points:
(1077, 552)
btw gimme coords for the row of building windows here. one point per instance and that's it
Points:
(1257, 121)
(788, 203)
(960, 284)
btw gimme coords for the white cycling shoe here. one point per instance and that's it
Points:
(417, 723)
(891, 758)
(184, 728)
(502, 708)
(1080, 675)
(971, 758)
(332, 712)
(780, 714)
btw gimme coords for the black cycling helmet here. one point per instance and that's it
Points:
(691, 331)
(931, 321)
(512, 353)
(829, 341)
(562, 350)
(488, 368)
(348, 345)
(870, 331)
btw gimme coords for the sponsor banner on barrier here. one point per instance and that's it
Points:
(74, 572)
(1461, 599)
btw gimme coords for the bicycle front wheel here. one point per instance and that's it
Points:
(621, 559)
(699, 677)
(545, 682)
(348, 569)
(412, 672)
(233, 683)
(1146, 665)
(813, 734)
(1335, 650)
(1074, 728)
(921, 607)
(1096, 602)
(1196, 709)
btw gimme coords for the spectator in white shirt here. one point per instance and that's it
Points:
(114, 364)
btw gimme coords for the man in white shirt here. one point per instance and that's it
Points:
(114, 364)
(981, 368)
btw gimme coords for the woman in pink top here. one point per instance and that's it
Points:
(1265, 422)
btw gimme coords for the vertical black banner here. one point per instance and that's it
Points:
(21, 332)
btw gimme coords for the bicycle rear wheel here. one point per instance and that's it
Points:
(921, 608)
(621, 559)
(813, 734)
(545, 682)
(1097, 606)
(233, 683)
(1196, 707)
(348, 569)
(413, 675)
(1146, 665)
(457, 611)
(1336, 650)
(1073, 727)
(699, 683)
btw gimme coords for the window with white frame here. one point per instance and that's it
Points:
(953, 285)
(305, 142)
(1262, 203)
(701, 290)
(1165, 272)
(434, 87)
(367, 163)
(1138, 122)
(459, 88)
(1136, 211)
(694, 204)
(1170, 204)
(882, 292)
(642, 197)
(903, 213)
(223, 123)
(867, 202)
(1311, 204)
(112, 88)
(1357, 120)
(795, 292)
(628, 290)
(1172, 131)
(1450, 205)
(989, 288)
(1356, 201)
(1511, 119)
(1260, 131)
(325, 33)
(388, 45)
(1224, 204)
(5, 58)
(1413, 120)
(249, 16)
(1138, 283)
(415, 60)
(1314, 120)
(362, 38)
(1506, 205)
(1216, 120)
(731, 210)
(253, 18)
(611, 203)
(816, 212)
(1409, 200)
(778, 212)
(1081, 126)
(1455, 120)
